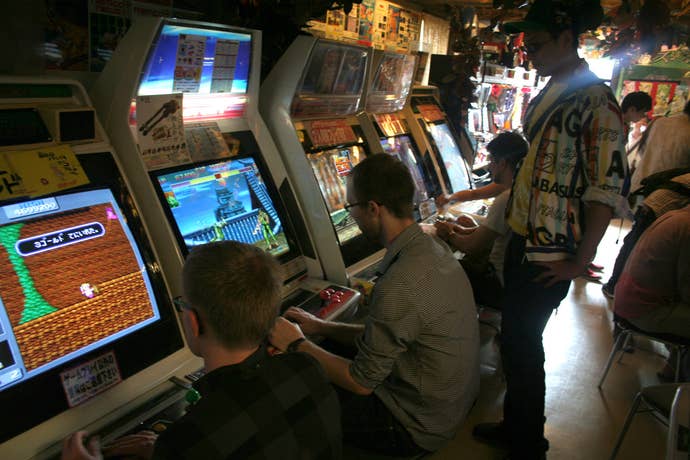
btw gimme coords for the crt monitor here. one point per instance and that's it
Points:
(197, 60)
(453, 160)
(81, 308)
(224, 200)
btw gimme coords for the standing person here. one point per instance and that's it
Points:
(562, 200)
(252, 405)
(634, 107)
(415, 374)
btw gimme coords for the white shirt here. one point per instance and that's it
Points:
(496, 222)
(667, 147)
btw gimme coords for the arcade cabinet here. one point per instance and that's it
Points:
(433, 128)
(180, 101)
(88, 335)
(388, 130)
(309, 102)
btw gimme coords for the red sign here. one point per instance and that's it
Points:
(330, 132)
(430, 112)
(390, 124)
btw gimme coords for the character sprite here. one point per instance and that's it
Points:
(218, 230)
(264, 221)
(88, 290)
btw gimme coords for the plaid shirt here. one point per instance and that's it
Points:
(279, 407)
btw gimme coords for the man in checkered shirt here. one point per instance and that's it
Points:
(415, 373)
(252, 405)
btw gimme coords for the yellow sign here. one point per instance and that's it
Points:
(29, 173)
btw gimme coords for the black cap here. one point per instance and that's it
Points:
(554, 15)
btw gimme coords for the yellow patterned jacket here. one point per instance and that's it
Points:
(577, 154)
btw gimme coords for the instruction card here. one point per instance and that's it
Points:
(28, 173)
(85, 381)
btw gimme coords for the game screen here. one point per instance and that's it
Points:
(192, 60)
(401, 147)
(331, 168)
(391, 83)
(452, 158)
(71, 280)
(225, 200)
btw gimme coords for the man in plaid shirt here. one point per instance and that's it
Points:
(252, 405)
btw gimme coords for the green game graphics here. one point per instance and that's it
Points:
(35, 305)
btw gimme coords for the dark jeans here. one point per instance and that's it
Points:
(526, 310)
(644, 217)
(368, 424)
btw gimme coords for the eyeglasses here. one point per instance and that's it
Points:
(349, 206)
(180, 304)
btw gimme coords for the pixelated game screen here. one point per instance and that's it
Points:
(226, 200)
(71, 280)
(195, 60)
(75, 283)
(452, 158)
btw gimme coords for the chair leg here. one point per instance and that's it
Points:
(673, 424)
(622, 337)
(628, 335)
(626, 425)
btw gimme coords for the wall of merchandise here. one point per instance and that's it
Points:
(385, 25)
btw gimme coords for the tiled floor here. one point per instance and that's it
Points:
(582, 422)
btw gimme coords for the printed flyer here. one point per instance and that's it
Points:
(160, 131)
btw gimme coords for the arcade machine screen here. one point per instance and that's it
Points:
(332, 83)
(452, 158)
(331, 168)
(80, 309)
(391, 83)
(223, 200)
(401, 147)
(193, 60)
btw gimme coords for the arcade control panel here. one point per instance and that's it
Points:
(327, 302)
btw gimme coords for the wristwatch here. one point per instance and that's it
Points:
(292, 347)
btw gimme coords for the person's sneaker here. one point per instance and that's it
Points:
(607, 291)
(493, 434)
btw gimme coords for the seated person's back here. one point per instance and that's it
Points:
(265, 407)
(653, 292)
(252, 405)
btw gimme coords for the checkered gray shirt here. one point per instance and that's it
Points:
(420, 347)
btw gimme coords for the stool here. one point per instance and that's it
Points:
(627, 330)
